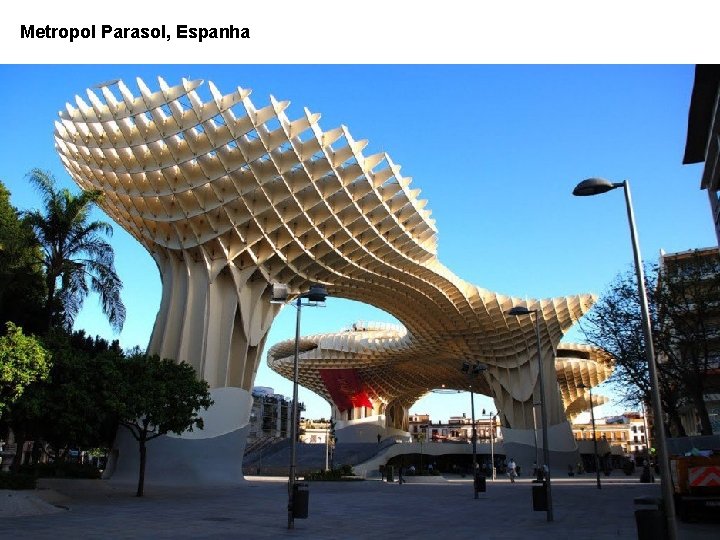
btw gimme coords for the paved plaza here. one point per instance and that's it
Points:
(364, 509)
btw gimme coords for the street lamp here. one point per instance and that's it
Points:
(592, 417)
(473, 371)
(522, 311)
(596, 186)
(537, 453)
(315, 297)
(491, 417)
(327, 447)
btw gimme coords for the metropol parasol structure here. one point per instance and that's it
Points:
(228, 198)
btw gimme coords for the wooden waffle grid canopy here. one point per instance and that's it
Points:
(229, 197)
(361, 347)
(580, 368)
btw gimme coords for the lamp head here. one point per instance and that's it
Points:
(317, 293)
(594, 186)
(520, 310)
(478, 368)
(279, 293)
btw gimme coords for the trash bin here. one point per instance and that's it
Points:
(539, 497)
(650, 519)
(389, 473)
(301, 499)
(480, 484)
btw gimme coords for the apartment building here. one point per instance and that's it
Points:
(627, 432)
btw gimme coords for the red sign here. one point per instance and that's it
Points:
(704, 476)
(345, 388)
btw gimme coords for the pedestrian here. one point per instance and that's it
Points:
(401, 480)
(512, 470)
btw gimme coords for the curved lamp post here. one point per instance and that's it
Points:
(596, 186)
(520, 311)
(473, 371)
(315, 297)
(592, 418)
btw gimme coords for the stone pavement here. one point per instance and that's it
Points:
(346, 510)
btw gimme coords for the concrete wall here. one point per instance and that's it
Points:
(519, 444)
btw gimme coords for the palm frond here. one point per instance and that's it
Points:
(77, 258)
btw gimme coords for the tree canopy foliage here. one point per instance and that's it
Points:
(22, 283)
(93, 387)
(683, 314)
(166, 397)
(75, 256)
(50, 260)
(73, 407)
(23, 360)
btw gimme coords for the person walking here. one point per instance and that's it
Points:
(512, 470)
(401, 480)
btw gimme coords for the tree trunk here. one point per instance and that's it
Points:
(20, 436)
(676, 422)
(50, 302)
(143, 455)
(702, 413)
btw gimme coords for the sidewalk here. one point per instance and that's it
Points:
(348, 510)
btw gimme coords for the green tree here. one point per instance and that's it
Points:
(615, 324)
(22, 283)
(158, 397)
(22, 361)
(684, 318)
(72, 408)
(75, 256)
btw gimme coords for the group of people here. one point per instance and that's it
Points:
(511, 468)
(411, 471)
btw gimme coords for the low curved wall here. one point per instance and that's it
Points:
(211, 456)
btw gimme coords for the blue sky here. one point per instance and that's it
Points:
(495, 149)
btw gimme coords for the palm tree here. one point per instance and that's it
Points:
(75, 257)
